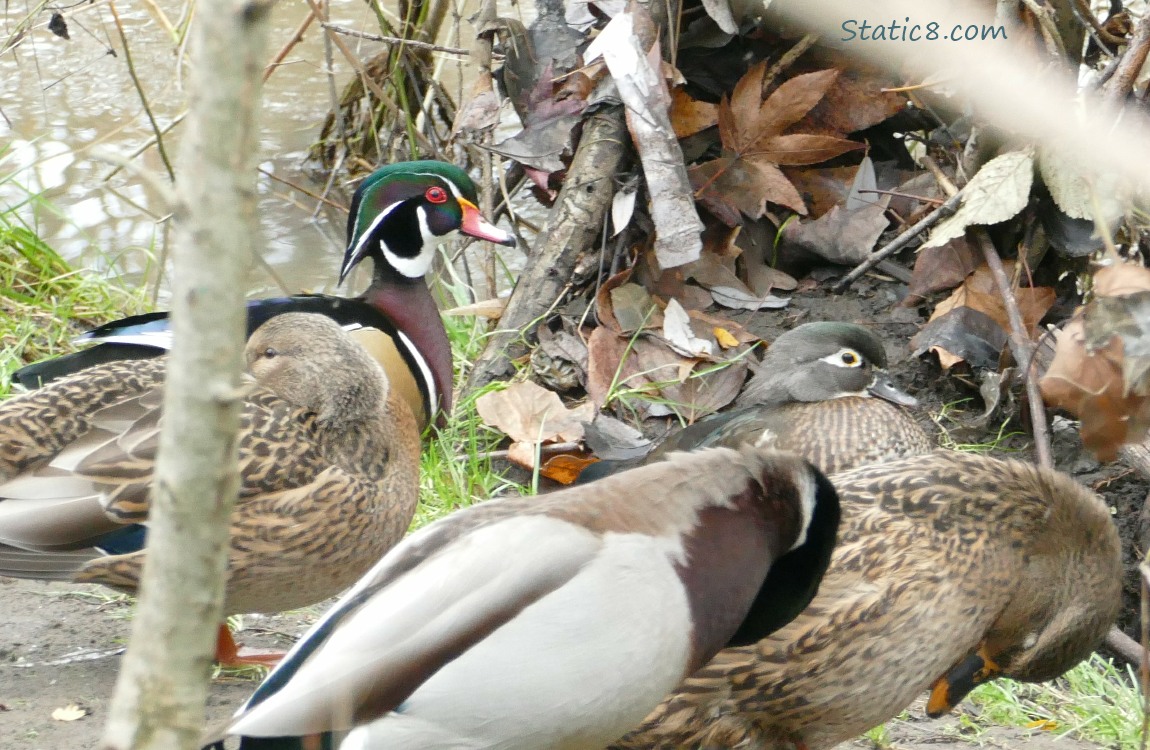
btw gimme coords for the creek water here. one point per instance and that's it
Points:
(64, 100)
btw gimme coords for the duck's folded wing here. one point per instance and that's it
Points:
(430, 600)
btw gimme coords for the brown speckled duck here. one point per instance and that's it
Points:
(821, 391)
(951, 569)
(329, 461)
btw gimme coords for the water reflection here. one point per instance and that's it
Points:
(59, 98)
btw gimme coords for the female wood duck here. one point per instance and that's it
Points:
(398, 216)
(329, 465)
(952, 569)
(554, 621)
(822, 391)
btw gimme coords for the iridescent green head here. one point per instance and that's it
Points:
(401, 213)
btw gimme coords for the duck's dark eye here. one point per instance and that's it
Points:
(436, 195)
(271, 352)
(850, 359)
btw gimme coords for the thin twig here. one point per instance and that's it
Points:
(789, 58)
(292, 42)
(140, 91)
(329, 65)
(898, 243)
(162, 189)
(395, 40)
(1102, 37)
(1020, 346)
(147, 144)
(549, 448)
(1143, 663)
(304, 190)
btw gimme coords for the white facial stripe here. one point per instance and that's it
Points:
(836, 359)
(424, 371)
(805, 481)
(363, 238)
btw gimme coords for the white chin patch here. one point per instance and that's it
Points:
(412, 268)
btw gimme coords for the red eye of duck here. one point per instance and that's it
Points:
(436, 195)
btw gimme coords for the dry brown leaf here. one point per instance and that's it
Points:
(841, 236)
(70, 712)
(690, 116)
(481, 109)
(634, 308)
(854, 102)
(822, 188)
(980, 292)
(605, 365)
(565, 468)
(1090, 386)
(604, 309)
(492, 309)
(747, 176)
(529, 413)
(940, 268)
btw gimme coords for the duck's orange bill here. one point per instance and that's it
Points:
(476, 225)
(949, 690)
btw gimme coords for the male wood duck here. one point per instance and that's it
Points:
(399, 215)
(952, 569)
(554, 621)
(822, 391)
(329, 471)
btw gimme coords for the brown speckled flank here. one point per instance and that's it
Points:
(939, 556)
(328, 455)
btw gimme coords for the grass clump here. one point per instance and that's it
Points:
(1096, 701)
(44, 302)
(456, 469)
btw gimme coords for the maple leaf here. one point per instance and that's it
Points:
(747, 175)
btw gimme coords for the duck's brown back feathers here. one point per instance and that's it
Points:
(937, 554)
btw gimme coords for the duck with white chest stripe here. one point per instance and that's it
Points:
(328, 460)
(398, 216)
(554, 621)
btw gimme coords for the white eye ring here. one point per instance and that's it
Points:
(845, 357)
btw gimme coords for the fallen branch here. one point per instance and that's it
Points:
(572, 228)
(898, 243)
(1126, 647)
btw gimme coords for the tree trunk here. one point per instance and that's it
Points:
(162, 688)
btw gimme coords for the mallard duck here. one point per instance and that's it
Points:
(329, 464)
(821, 391)
(554, 621)
(952, 569)
(399, 215)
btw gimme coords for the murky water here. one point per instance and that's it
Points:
(62, 100)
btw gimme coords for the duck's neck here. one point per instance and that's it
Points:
(409, 304)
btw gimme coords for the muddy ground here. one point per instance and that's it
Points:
(60, 644)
